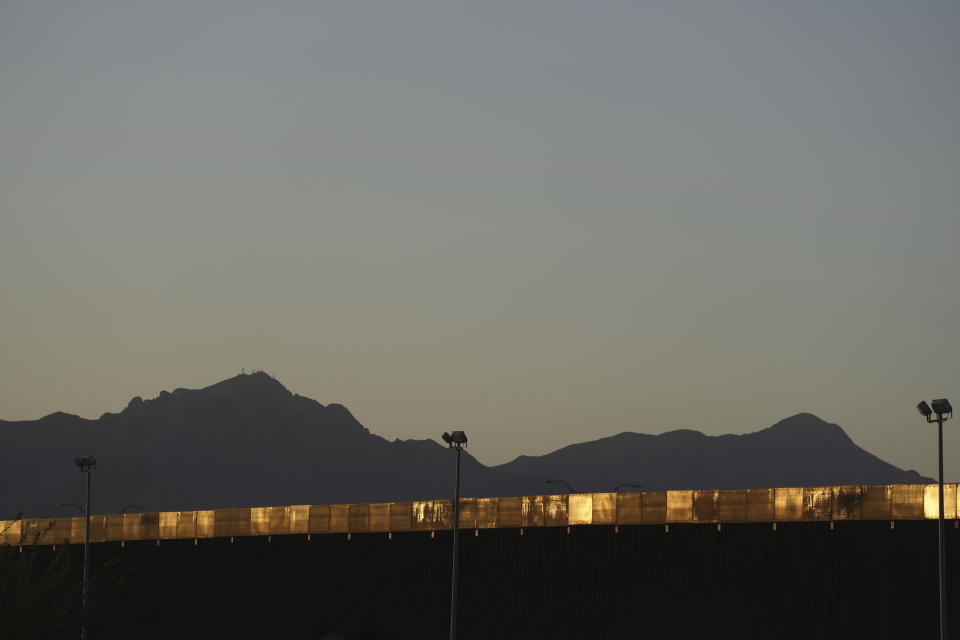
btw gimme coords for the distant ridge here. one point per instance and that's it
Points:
(802, 450)
(249, 441)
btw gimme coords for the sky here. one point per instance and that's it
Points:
(539, 222)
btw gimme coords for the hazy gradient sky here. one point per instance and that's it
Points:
(541, 222)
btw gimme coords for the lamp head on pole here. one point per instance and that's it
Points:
(455, 439)
(942, 407)
(87, 464)
(941, 410)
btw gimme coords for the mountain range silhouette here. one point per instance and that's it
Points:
(248, 441)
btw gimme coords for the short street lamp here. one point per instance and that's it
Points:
(455, 440)
(943, 411)
(87, 465)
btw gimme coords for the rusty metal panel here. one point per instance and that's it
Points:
(679, 506)
(705, 506)
(298, 515)
(97, 529)
(319, 518)
(149, 525)
(629, 508)
(487, 512)
(732, 505)
(6, 531)
(53, 531)
(532, 511)
(78, 530)
(380, 516)
(653, 506)
(468, 513)
(10, 532)
(279, 521)
(510, 512)
(444, 512)
(38, 530)
(788, 504)
(555, 510)
(205, 523)
(260, 521)
(604, 508)
(131, 526)
(359, 515)
(907, 501)
(113, 527)
(339, 518)
(579, 508)
(29, 531)
(401, 516)
(225, 522)
(61, 531)
(848, 502)
(761, 505)
(876, 503)
(168, 525)
(931, 501)
(186, 524)
(432, 514)
(241, 523)
(818, 503)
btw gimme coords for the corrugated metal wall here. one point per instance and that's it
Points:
(860, 579)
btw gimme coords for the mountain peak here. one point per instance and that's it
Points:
(808, 424)
(258, 381)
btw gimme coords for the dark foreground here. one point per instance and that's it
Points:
(805, 580)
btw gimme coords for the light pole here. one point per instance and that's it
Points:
(87, 465)
(455, 440)
(941, 408)
(570, 489)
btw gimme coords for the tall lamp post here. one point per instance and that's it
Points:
(941, 408)
(87, 465)
(455, 440)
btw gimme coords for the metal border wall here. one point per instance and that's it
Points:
(800, 504)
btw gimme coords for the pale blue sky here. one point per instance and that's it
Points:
(542, 222)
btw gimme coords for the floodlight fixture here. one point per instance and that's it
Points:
(86, 464)
(924, 409)
(446, 438)
(942, 407)
(459, 437)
